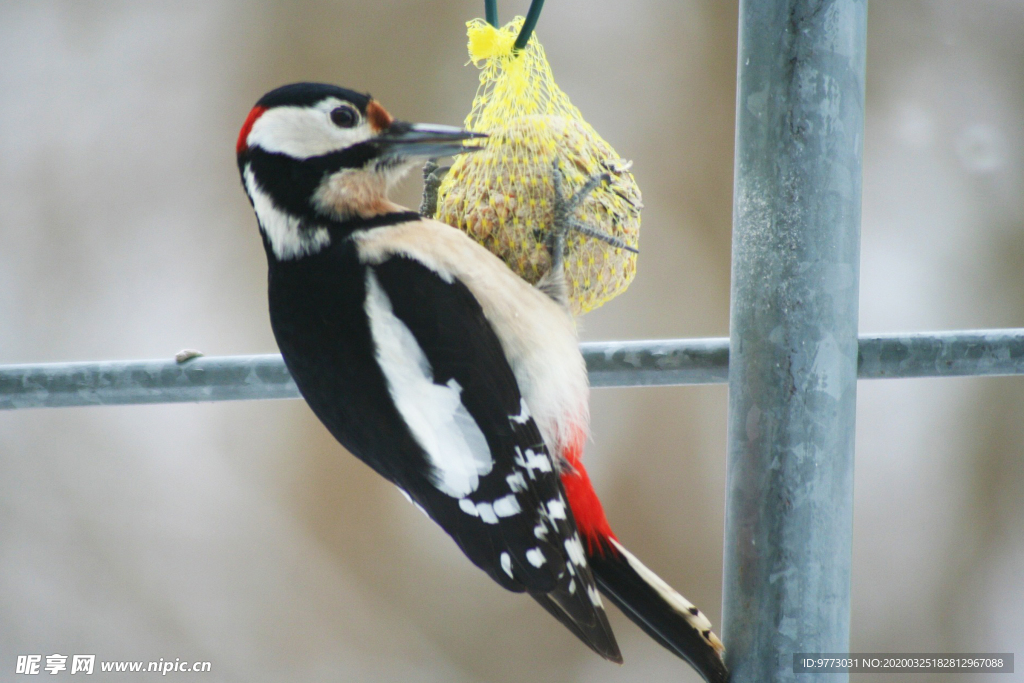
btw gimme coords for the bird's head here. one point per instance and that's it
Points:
(312, 154)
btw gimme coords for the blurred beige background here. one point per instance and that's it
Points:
(243, 535)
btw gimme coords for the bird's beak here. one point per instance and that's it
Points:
(424, 140)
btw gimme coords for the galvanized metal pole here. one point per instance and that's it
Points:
(793, 336)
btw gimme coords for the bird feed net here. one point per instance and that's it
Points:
(503, 196)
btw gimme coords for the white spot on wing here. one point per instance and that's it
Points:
(595, 597)
(556, 509)
(287, 237)
(575, 550)
(453, 442)
(506, 563)
(490, 512)
(507, 506)
(524, 413)
(487, 513)
(535, 557)
(516, 482)
(530, 461)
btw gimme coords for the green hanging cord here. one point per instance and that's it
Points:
(491, 12)
(528, 25)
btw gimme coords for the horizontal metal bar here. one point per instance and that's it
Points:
(223, 378)
(669, 362)
(941, 354)
(657, 363)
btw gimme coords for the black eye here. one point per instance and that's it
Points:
(344, 117)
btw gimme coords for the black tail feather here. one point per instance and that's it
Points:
(598, 636)
(659, 610)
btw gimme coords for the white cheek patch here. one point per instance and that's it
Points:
(304, 132)
(284, 231)
(453, 442)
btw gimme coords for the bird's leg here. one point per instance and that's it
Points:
(432, 177)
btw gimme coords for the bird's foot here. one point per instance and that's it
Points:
(432, 177)
(563, 220)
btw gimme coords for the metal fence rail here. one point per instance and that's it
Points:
(670, 362)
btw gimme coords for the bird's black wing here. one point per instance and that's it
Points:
(516, 523)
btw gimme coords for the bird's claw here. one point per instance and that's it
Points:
(563, 221)
(432, 177)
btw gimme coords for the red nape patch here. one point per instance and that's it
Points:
(243, 135)
(586, 507)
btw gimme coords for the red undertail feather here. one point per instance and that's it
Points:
(586, 507)
(642, 596)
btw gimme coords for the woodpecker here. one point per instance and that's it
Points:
(437, 366)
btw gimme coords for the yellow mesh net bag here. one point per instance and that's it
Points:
(503, 195)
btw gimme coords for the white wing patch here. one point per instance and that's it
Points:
(284, 231)
(536, 334)
(440, 423)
